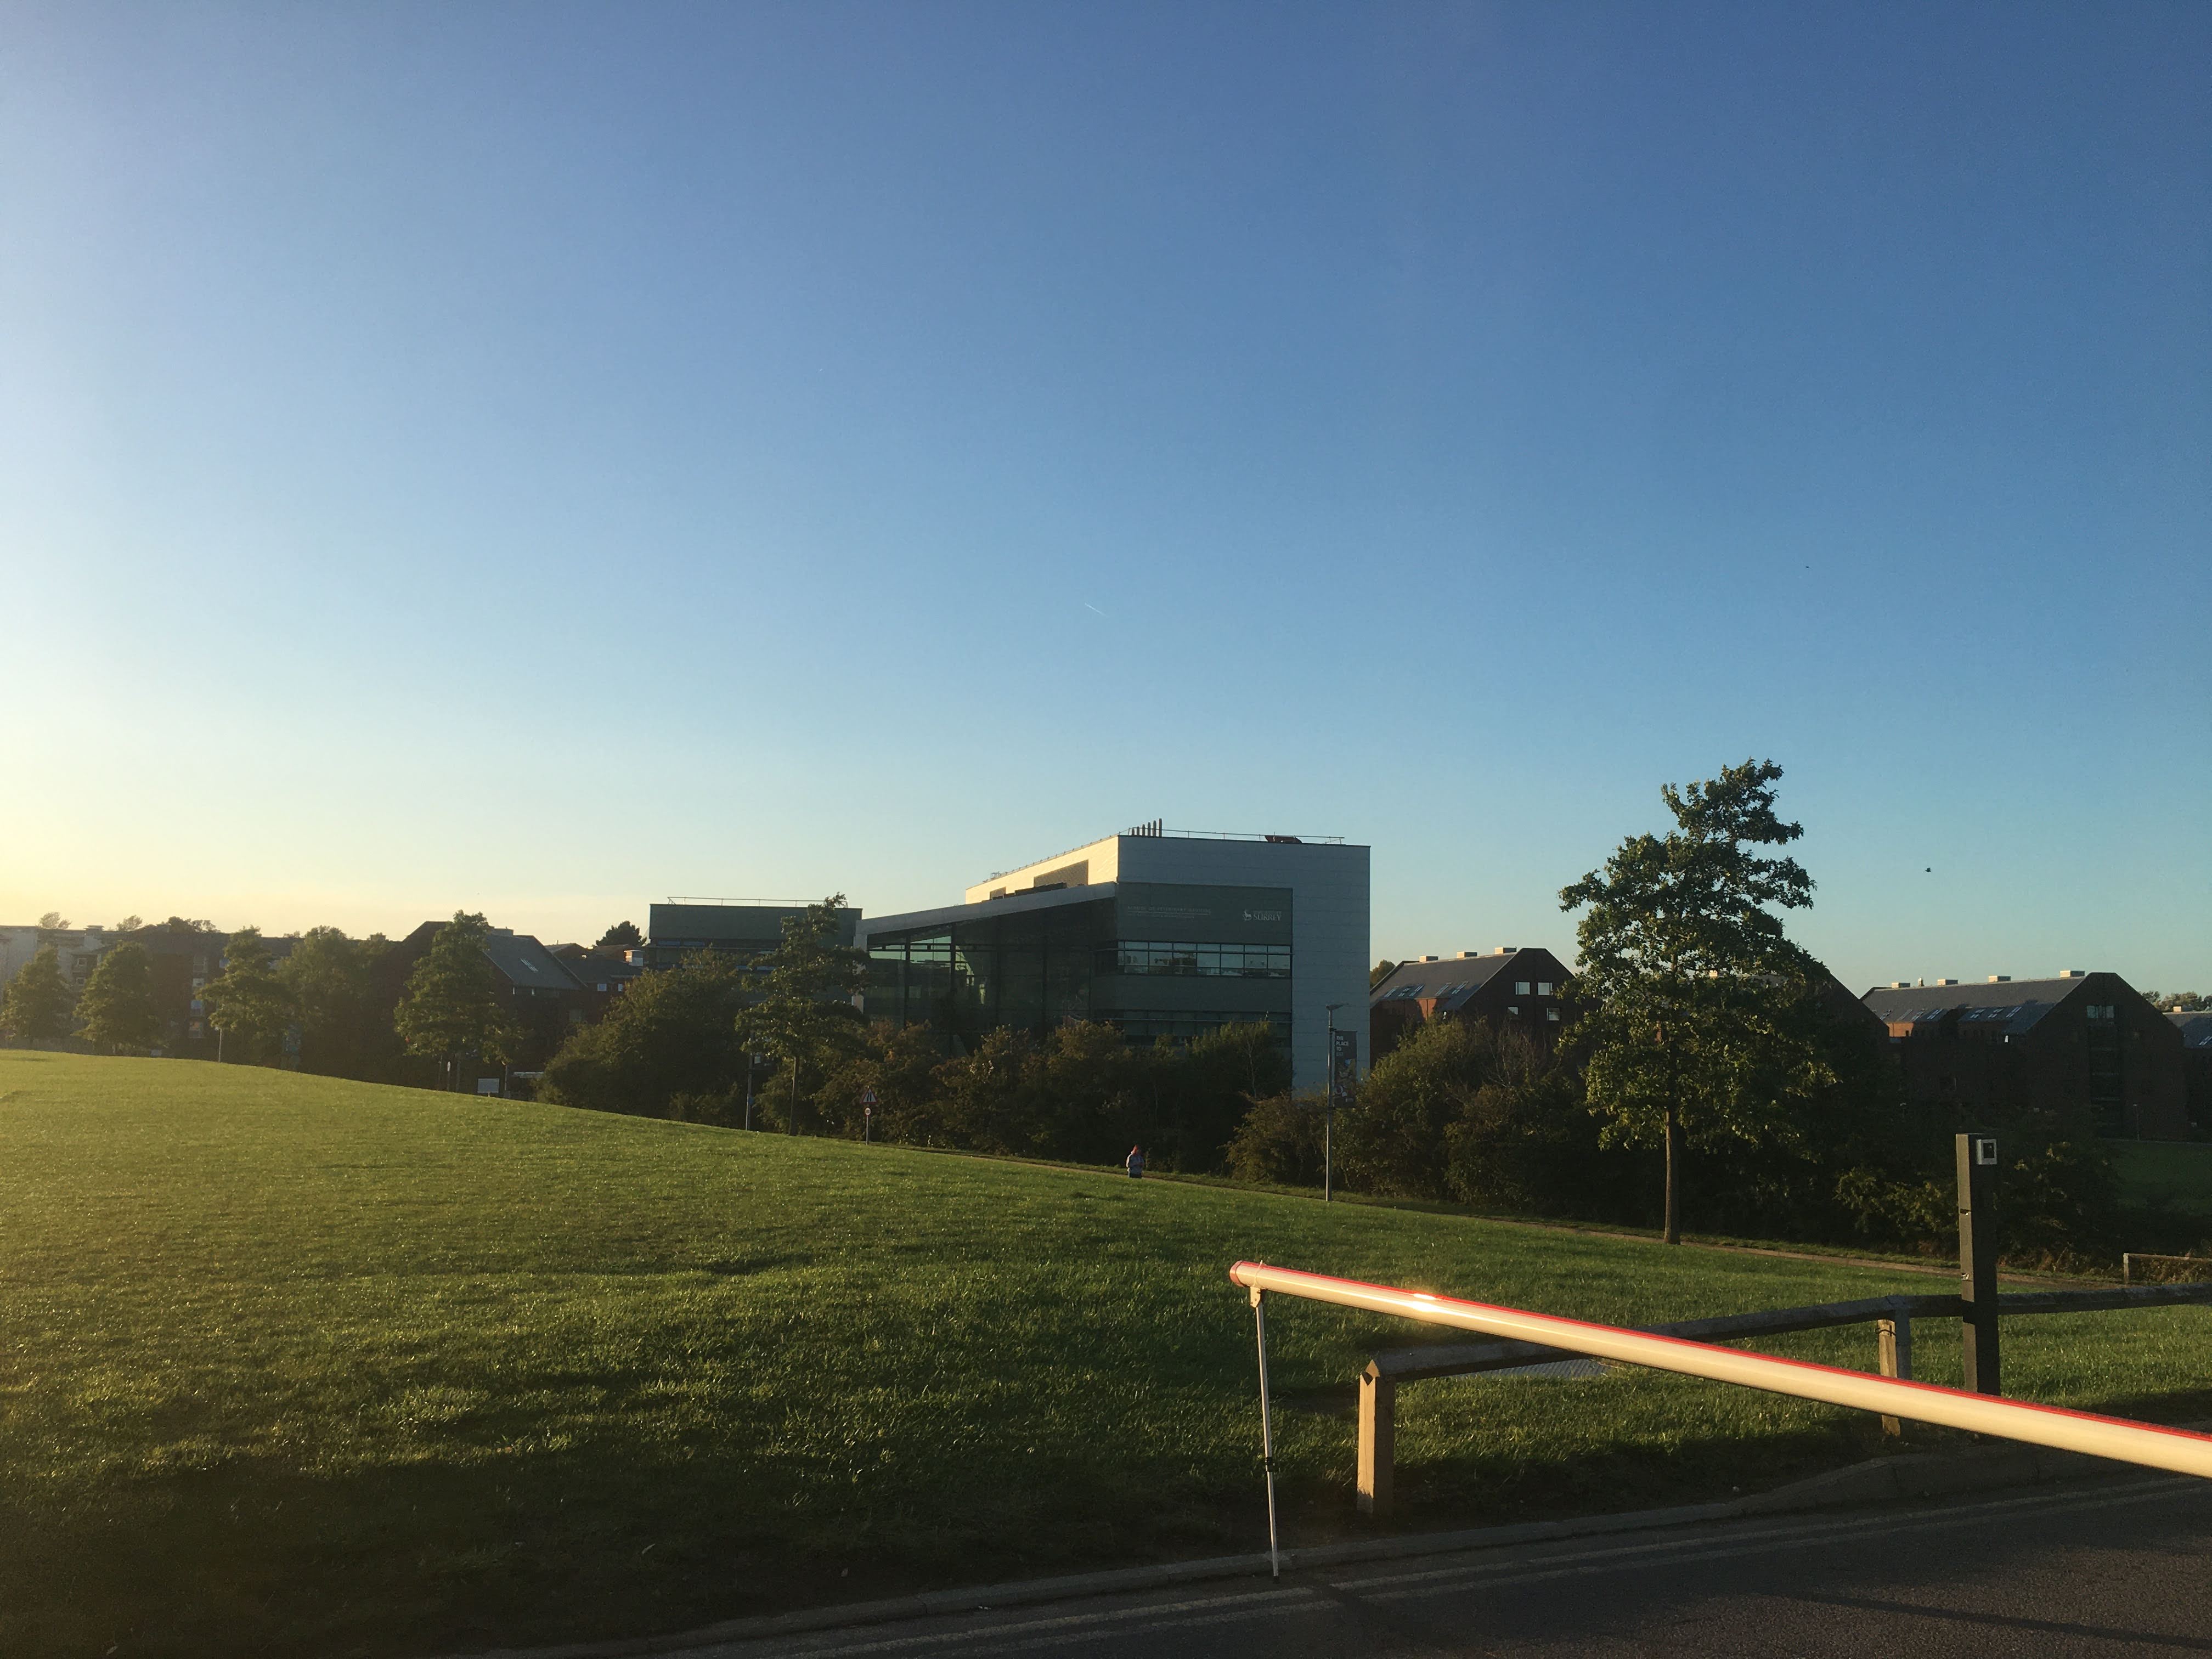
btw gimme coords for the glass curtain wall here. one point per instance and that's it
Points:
(1032, 971)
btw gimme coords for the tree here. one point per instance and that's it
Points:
(247, 1003)
(898, 1063)
(669, 1043)
(2178, 1002)
(1381, 971)
(623, 936)
(451, 1005)
(1684, 963)
(35, 1007)
(328, 978)
(129, 924)
(804, 1015)
(117, 1005)
(1397, 1140)
(52, 927)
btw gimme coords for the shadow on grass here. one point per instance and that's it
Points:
(627, 1539)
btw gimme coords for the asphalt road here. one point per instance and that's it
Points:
(2107, 1570)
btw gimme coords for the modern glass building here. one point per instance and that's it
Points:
(1158, 933)
(744, 927)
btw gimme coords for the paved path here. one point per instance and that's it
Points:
(2110, 1570)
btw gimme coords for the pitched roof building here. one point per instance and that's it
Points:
(1525, 987)
(2196, 1028)
(2082, 1044)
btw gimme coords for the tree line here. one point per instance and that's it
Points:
(1711, 1067)
(331, 1005)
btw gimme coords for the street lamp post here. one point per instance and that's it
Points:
(1328, 1117)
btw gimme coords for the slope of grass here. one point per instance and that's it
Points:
(2171, 1174)
(296, 1365)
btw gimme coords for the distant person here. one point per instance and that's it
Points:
(1136, 1163)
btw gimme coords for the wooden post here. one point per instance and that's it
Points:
(1893, 1355)
(1378, 1440)
(1978, 1261)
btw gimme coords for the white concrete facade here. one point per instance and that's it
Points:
(1328, 885)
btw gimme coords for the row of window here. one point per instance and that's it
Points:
(1132, 956)
(1521, 988)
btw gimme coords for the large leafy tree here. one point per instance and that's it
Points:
(117, 1005)
(35, 1007)
(623, 936)
(668, 1043)
(328, 977)
(451, 1005)
(1690, 983)
(804, 1015)
(247, 1002)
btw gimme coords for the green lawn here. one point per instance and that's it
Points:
(2176, 1174)
(295, 1365)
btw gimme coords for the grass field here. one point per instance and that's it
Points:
(294, 1365)
(2174, 1175)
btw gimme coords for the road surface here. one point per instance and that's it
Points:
(2105, 1570)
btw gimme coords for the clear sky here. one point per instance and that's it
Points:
(544, 459)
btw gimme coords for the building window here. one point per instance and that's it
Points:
(1198, 960)
(1521, 988)
(1513, 1008)
(1543, 988)
(1551, 1014)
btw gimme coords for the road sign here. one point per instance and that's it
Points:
(867, 1096)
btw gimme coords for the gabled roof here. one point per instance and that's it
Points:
(527, 963)
(2196, 1027)
(2008, 1005)
(1450, 981)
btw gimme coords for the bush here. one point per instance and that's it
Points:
(1397, 1142)
(1278, 1144)
(671, 1036)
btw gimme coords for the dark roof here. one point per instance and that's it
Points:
(2013, 1005)
(2196, 1027)
(1450, 980)
(733, 923)
(526, 962)
(1013, 904)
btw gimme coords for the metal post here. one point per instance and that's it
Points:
(1328, 1115)
(1978, 1261)
(1266, 1431)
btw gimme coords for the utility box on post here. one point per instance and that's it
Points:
(1978, 1260)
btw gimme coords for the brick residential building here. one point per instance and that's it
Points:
(2081, 1044)
(1526, 988)
(2196, 1028)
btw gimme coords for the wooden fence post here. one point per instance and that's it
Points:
(1378, 1439)
(1893, 1355)
(1978, 1261)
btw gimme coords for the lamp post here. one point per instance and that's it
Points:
(1328, 1117)
(752, 1060)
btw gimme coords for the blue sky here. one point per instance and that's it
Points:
(545, 458)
